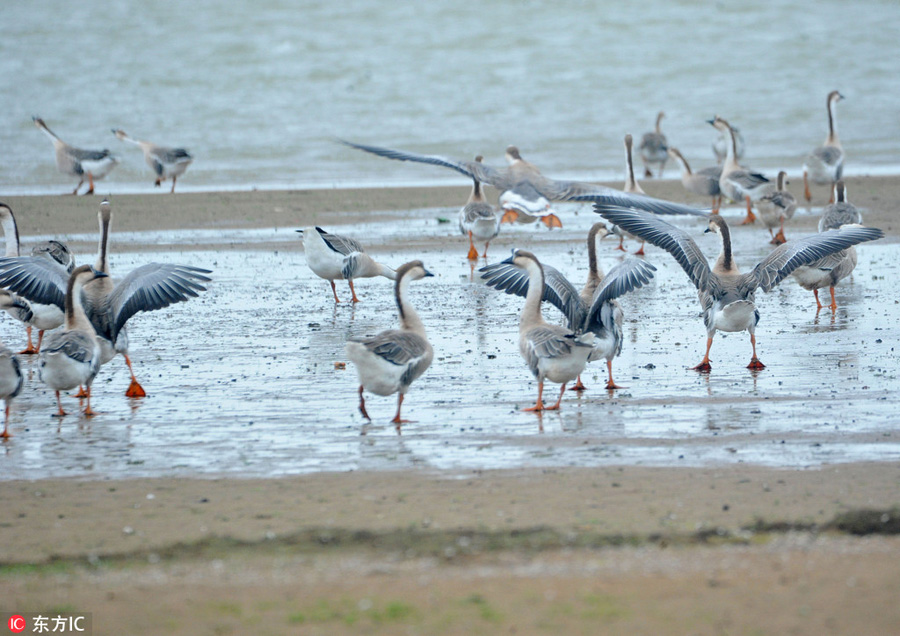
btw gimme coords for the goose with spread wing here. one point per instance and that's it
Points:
(108, 304)
(166, 162)
(335, 257)
(77, 162)
(825, 164)
(525, 190)
(595, 308)
(726, 295)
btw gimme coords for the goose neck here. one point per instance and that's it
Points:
(409, 318)
(11, 232)
(531, 312)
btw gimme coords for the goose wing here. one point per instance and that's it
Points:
(80, 154)
(396, 346)
(173, 155)
(474, 169)
(38, 279)
(627, 276)
(153, 286)
(673, 239)
(558, 291)
(784, 259)
(576, 191)
(340, 244)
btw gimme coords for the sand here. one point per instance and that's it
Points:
(737, 550)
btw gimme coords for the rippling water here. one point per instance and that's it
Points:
(257, 90)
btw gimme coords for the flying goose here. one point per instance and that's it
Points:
(825, 164)
(533, 191)
(71, 357)
(335, 257)
(726, 295)
(776, 208)
(736, 183)
(594, 309)
(831, 269)
(477, 219)
(389, 361)
(164, 161)
(108, 304)
(704, 182)
(653, 148)
(75, 162)
(10, 373)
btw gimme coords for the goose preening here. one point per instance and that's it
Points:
(551, 352)
(72, 357)
(704, 182)
(776, 208)
(477, 219)
(10, 373)
(44, 317)
(594, 309)
(831, 269)
(736, 183)
(165, 162)
(654, 148)
(726, 295)
(108, 304)
(75, 162)
(334, 257)
(720, 145)
(526, 189)
(825, 164)
(389, 361)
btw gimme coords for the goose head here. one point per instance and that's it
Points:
(512, 154)
(414, 270)
(719, 124)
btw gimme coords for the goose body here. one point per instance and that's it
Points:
(335, 257)
(390, 361)
(720, 145)
(727, 296)
(825, 164)
(776, 208)
(10, 371)
(595, 309)
(654, 150)
(166, 162)
(736, 183)
(76, 162)
(704, 182)
(477, 219)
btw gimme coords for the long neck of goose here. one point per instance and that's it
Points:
(685, 167)
(659, 124)
(780, 185)
(594, 273)
(731, 149)
(75, 316)
(630, 183)
(409, 319)
(477, 196)
(832, 125)
(531, 312)
(725, 262)
(11, 232)
(102, 264)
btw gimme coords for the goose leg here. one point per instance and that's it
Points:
(81, 392)
(755, 364)
(833, 301)
(75, 191)
(397, 420)
(157, 183)
(353, 291)
(88, 411)
(555, 407)
(135, 390)
(90, 190)
(819, 304)
(831, 197)
(5, 433)
(334, 291)
(473, 253)
(640, 252)
(362, 404)
(704, 364)
(40, 339)
(750, 218)
(60, 412)
(485, 249)
(806, 191)
(779, 238)
(621, 246)
(29, 348)
(172, 191)
(715, 205)
(579, 386)
(611, 385)
(539, 405)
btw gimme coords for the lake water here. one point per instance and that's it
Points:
(258, 90)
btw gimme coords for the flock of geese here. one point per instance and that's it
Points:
(93, 310)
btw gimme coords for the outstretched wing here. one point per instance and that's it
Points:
(627, 276)
(340, 244)
(558, 291)
(38, 279)
(474, 169)
(575, 191)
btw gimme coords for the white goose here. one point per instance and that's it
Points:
(335, 257)
(109, 304)
(825, 164)
(736, 183)
(165, 162)
(477, 219)
(75, 162)
(10, 372)
(726, 295)
(654, 148)
(389, 361)
(594, 309)
(71, 357)
(776, 208)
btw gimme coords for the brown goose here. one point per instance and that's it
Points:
(75, 162)
(654, 148)
(776, 208)
(704, 182)
(478, 220)
(736, 183)
(166, 163)
(825, 164)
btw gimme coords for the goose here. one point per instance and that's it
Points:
(391, 360)
(164, 161)
(551, 352)
(477, 219)
(335, 257)
(704, 182)
(653, 148)
(830, 270)
(10, 372)
(736, 183)
(43, 317)
(825, 164)
(533, 191)
(726, 295)
(108, 304)
(720, 145)
(75, 162)
(631, 187)
(71, 357)
(594, 309)
(776, 208)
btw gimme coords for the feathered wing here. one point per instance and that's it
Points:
(786, 258)
(36, 278)
(548, 342)
(396, 346)
(340, 244)
(174, 155)
(575, 191)
(558, 291)
(153, 286)
(674, 240)
(473, 169)
(625, 277)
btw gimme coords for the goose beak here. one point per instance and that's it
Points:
(427, 273)
(711, 122)
(98, 273)
(707, 230)
(509, 261)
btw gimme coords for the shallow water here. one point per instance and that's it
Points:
(258, 90)
(242, 380)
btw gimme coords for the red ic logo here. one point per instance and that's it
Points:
(16, 624)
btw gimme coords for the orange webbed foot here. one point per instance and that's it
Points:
(537, 408)
(750, 218)
(510, 216)
(703, 367)
(612, 386)
(778, 239)
(473, 254)
(135, 390)
(755, 364)
(551, 221)
(28, 351)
